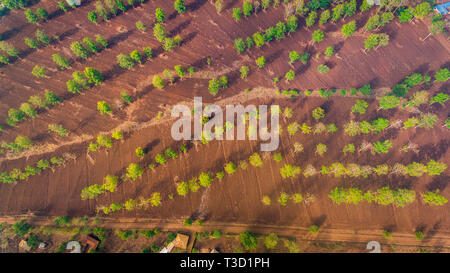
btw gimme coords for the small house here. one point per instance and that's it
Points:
(89, 242)
(443, 9)
(23, 244)
(181, 241)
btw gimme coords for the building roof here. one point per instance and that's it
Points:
(443, 8)
(89, 241)
(181, 241)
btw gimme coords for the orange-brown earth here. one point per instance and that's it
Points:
(236, 198)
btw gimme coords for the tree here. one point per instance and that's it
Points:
(62, 6)
(179, 6)
(373, 22)
(92, 16)
(280, 30)
(42, 37)
(382, 147)
(428, 120)
(348, 29)
(259, 39)
(260, 62)
(230, 168)
(51, 99)
(158, 82)
(93, 75)
(237, 14)
(318, 113)
(110, 183)
(101, 41)
(31, 43)
(435, 168)
(90, 45)
(442, 75)
(434, 198)
(160, 159)
(160, 15)
(39, 71)
(104, 141)
(141, 26)
(21, 228)
(182, 188)
(288, 171)
(293, 56)
(313, 229)
(244, 71)
(136, 56)
(271, 241)
(385, 18)
(338, 12)
(205, 179)
(23, 142)
(292, 23)
(247, 8)
(140, 152)
(290, 75)
(419, 234)
(240, 45)
(159, 32)
(248, 240)
(134, 171)
(405, 14)
(324, 17)
(266, 200)
(117, 135)
(31, 17)
(329, 51)
(321, 149)
(219, 5)
(360, 107)
(60, 61)
(57, 128)
(255, 160)
(103, 107)
(28, 110)
(350, 8)
(318, 36)
(168, 44)
(323, 68)
(389, 102)
(422, 10)
(79, 50)
(311, 19)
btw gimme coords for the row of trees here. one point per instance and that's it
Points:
(29, 109)
(131, 204)
(39, 16)
(82, 80)
(159, 82)
(17, 174)
(88, 46)
(384, 196)
(42, 39)
(7, 49)
(277, 32)
(128, 61)
(110, 8)
(167, 43)
(105, 141)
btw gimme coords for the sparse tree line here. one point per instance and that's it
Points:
(16, 174)
(167, 43)
(29, 109)
(284, 198)
(7, 49)
(83, 80)
(132, 204)
(88, 46)
(128, 61)
(385, 196)
(108, 9)
(168, 75)
(353, 170)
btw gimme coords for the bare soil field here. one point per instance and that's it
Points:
(237, 198)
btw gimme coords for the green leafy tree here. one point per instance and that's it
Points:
(39, 71)
(292, 23)
(136, 56)
(60, 61)
(405, 14)
(329, 51)
(101, 41)
(240, 45)
(260, 62)
(31, 17)
(360, 107)
(31, 43)
(271, 241)
(93, 75)
(90, 45)
(422, 10)
(293, 56)
(92, 16)
(389, 102)
(160, 15)
(179, 6)
(318, 113)
(318, 36)
(248, 240)
(434, 198)
(323, 68)
(237, 14)
(141, 26)
(103, 107)
(134, 171)
(79, 50)
(442, 75)
(158, 82)
(182, 188)
(205, 179)
(348, 29)
(324, 17)
(247, 8)
(311, 19)
(159, 32)
(290, 75)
